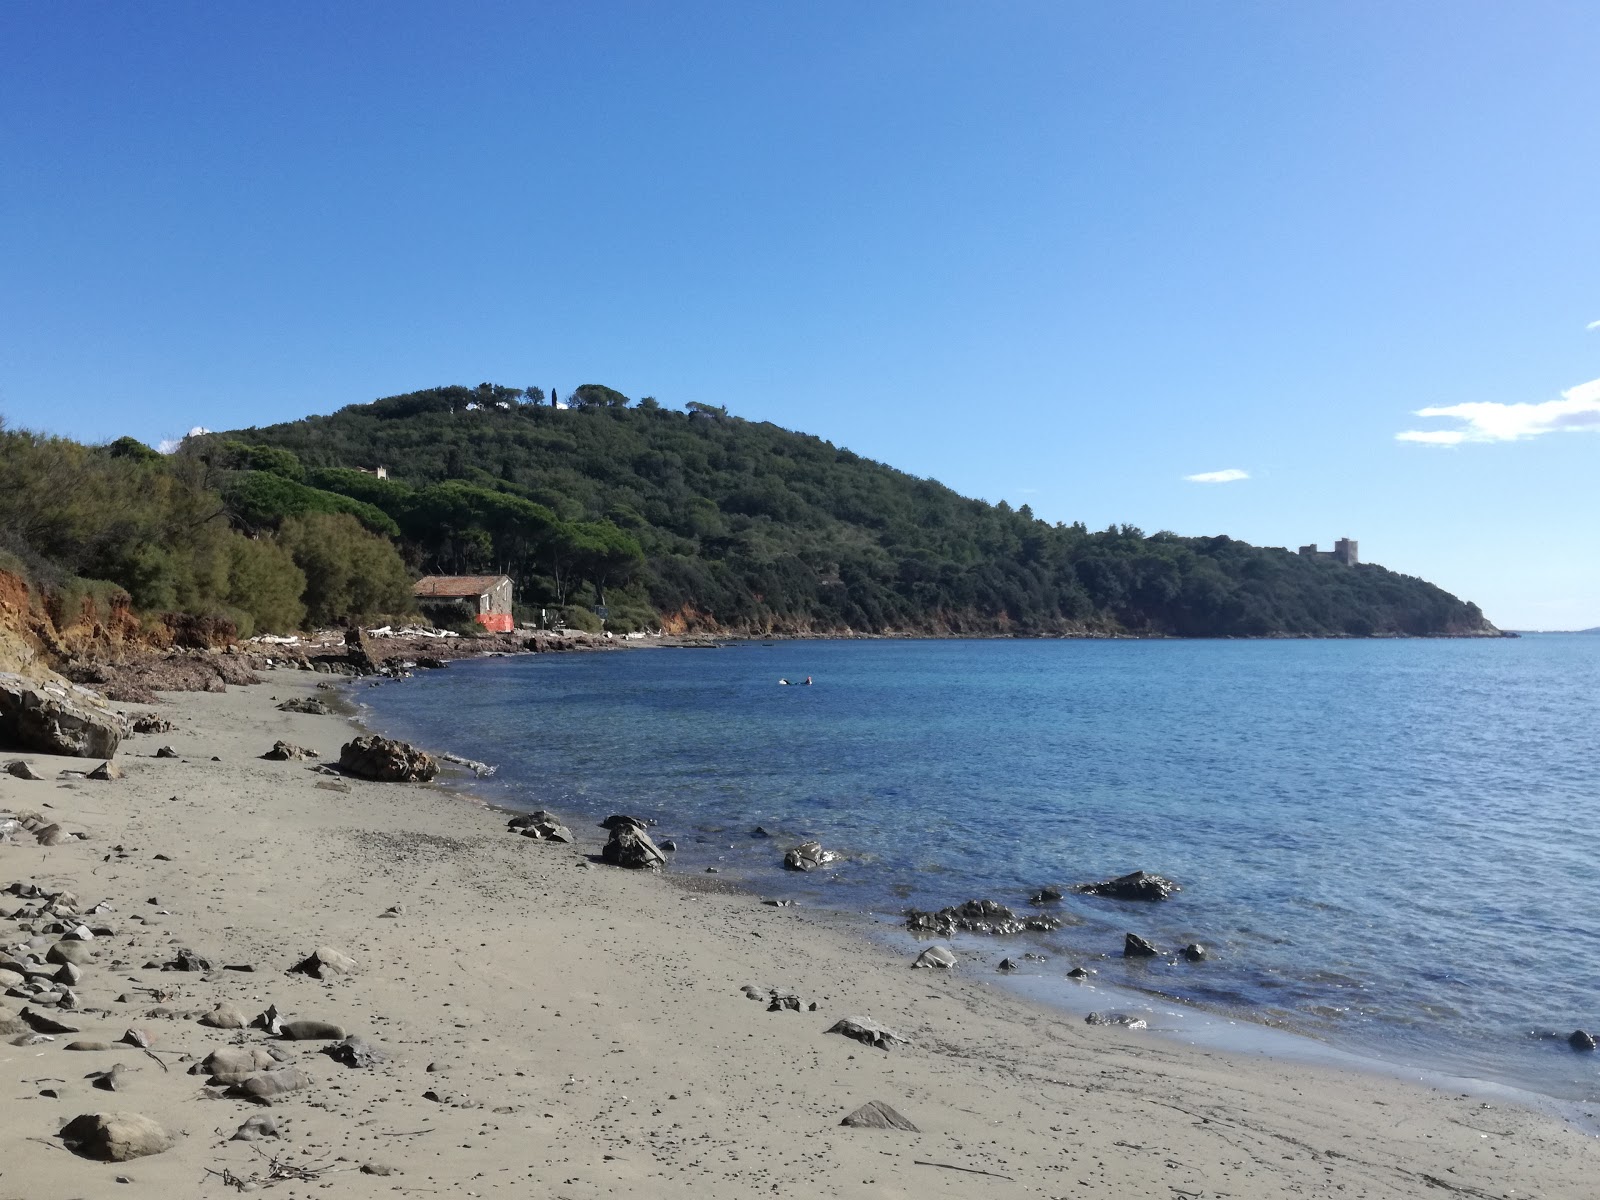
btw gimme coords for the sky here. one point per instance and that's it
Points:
(1289, 272)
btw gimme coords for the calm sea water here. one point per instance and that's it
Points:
(1388, 844)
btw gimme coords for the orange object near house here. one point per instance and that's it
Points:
(495, 622)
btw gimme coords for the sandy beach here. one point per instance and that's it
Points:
(549, 1026)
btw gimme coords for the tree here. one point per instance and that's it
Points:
(351, 574)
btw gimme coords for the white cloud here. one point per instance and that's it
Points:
(168, 445)
(1483, 421)
(1231, 475)
(1592, 325)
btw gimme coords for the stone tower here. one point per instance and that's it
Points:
(1344, 550)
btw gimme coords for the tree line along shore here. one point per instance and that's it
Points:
(690, 521)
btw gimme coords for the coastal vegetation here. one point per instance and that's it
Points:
(695, 519)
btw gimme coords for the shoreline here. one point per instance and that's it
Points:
(590, 1037)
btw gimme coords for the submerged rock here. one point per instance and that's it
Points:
(1136, 885)
(1194, 952)
(976, 916)
(1581, 1040)
(808, 856)
(1134, 946)
(1048, 894)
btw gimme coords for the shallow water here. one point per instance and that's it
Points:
(1387, 844)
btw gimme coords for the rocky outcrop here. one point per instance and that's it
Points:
(53, 716)
(386, 761)
(1136, 885)
(630, 846)
(541, 826)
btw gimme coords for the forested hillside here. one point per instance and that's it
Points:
(711, 521)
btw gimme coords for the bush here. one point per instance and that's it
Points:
(351, 575)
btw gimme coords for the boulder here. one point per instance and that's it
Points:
(630, 846)
(1048, 894)
(288, 752)
(114, 1136)
(1136, 885)
(255, 1129)
(936, 956)
(311, 1031)
(1581, 1040)
(541, 826)
(808, 856)
(307, 705)
(231, 1064)
(875, 1114)
(324, 963)
(69, 952)
(867, 1032)
(386, 761)
(1194, 952)
(1134, 946)
(224, 1016)
(10, 1024)
(106, 772)
(22, 770)
(616, 820)
(57, 717)
(268, 1087)
(188, 960)
(354, 1052)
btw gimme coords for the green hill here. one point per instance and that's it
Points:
(714, 522)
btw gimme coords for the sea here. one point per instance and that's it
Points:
(1387, 847)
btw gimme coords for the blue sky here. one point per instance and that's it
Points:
(1061, 254)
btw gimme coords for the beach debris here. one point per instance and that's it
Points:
(288, 752)
(354, 1051)
(875, 1114)
(1048, 894)
(324, 963)
(1134, 946)
(778, 903)
(308, 705)
(867, 1032)
(166, 752)
(386, 761)
(1007, 964)
(311, 1031)
(1581, 1040)
(224, 1016)
(150, 723)
(57, 717)
(1194, 952)
(377, 1168)
(105, 772)
(256, 1129)
(480, 769)
(1136, 885)
(808, 856)
(268, 1087)
(1126, 1020)
(114, 1136)
(976, 916)
(541, 826)
(630, 846)
(936, 956)
(22, 770)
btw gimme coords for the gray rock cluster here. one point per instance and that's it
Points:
(977, 916)
(629, 845)
(542, 826)
(808, 856)
(1136, 885)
